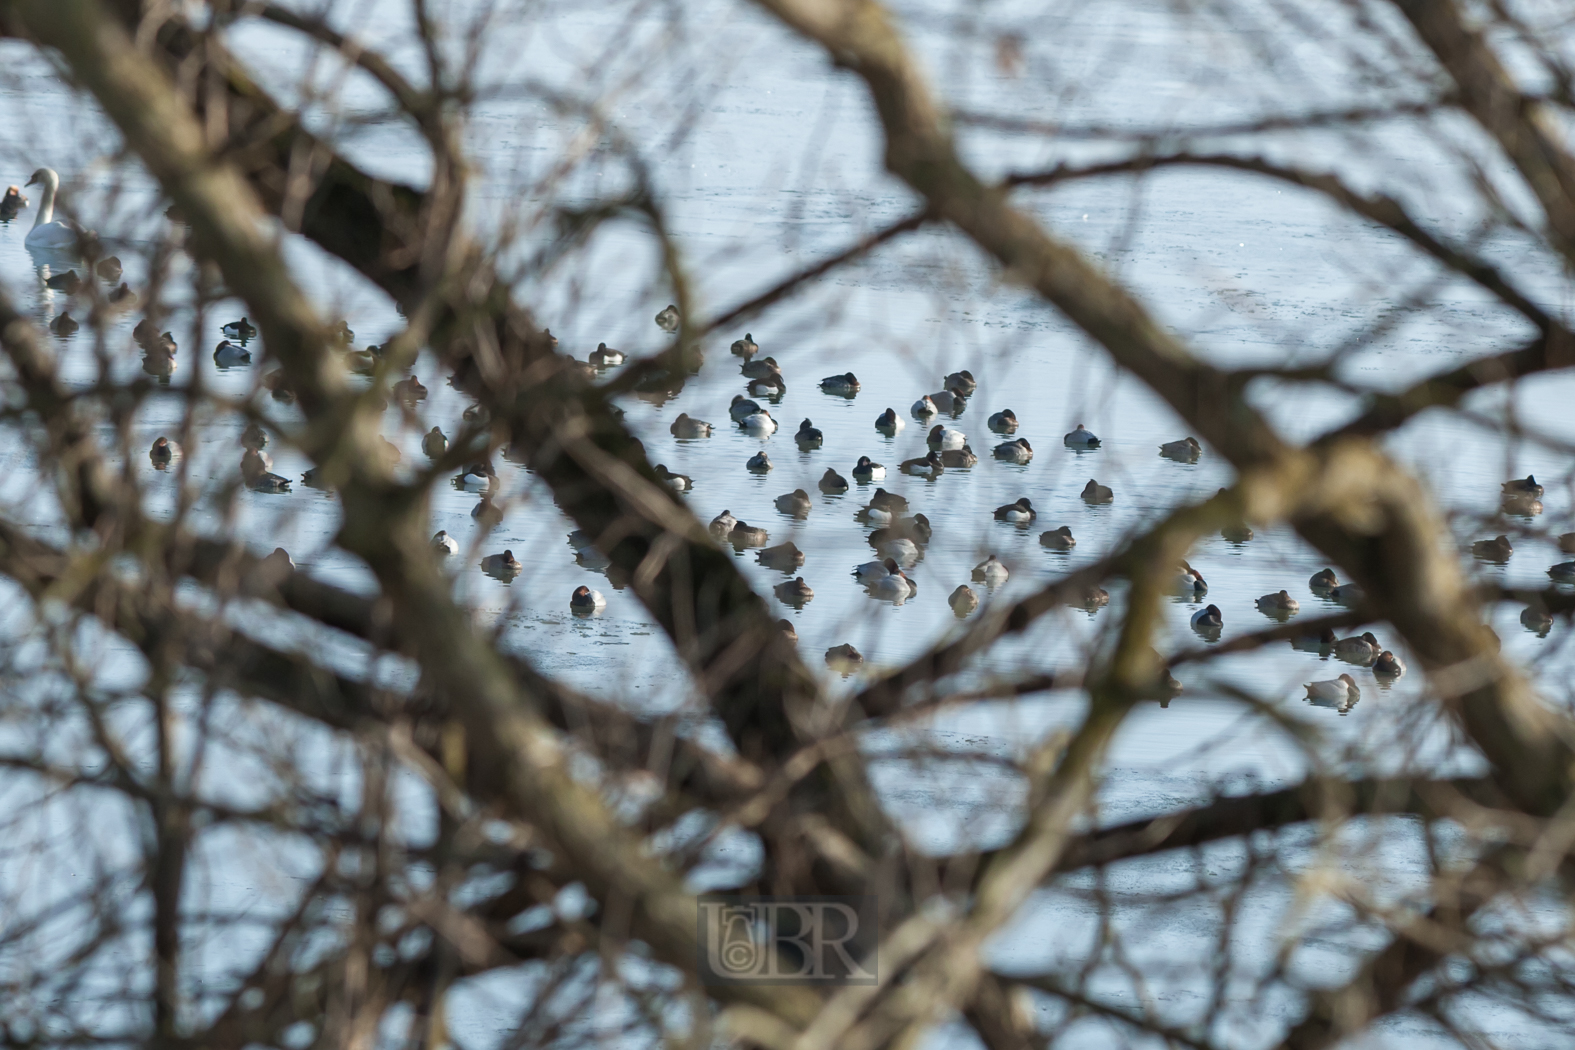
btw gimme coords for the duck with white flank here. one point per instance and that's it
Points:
(870, 571)
(1058, 539)
(742, 408)
(1340, 693)
(1019, 513)
(1019, 451)
(1082, 438)
(895, 587)
(676, 482)
(991, 572)
(1004, 422)
(927, 466)
(888, 422)
(867, 469)
(228, 355)
(759, 422)
(1347, 594)
(845, 385)
(1208, 621)
(949, 402)
(1189, 582)
(243, 330)
(924, 407)
(586, 602)
(944, 438)
(605, 356)
(771, 386)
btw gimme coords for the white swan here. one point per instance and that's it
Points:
(47, 231)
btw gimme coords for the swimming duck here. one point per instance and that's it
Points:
(314, 479)
(478, 477)
(1563, 572)
(888, 422)
(1497, 549)
(949, 402)
(1278, 606)
(667, 320)
(586, 602)
(746, 347)
(746, 535)
(1567, 543)
(867, 469)
(339, 333)
(991, 572)
(67, 282)
(1236, 532)
(899, 549)
(162, 453)
(11, 203)
(277, 566)
(1322, 642)
(503, 566)
(962, 458)
(1347, 594)
(1536, 620)
(833, 483)
(683, 482)
(874, 515)
(1208, 621)
(762, 369)
(794, 592)
(784, 557)
(895, 587)
(266, 482)
(123, 298)
(759, 422)
(1323, 581)
(486, 514)
(962, 383)
(434, 443)
(1019, 451)
(1019, 513)
(942, 438)
(688, 428)
(1526, 486)
(1388, 665)
(889, 501)
(49, 232)
(963, 601)
(476, 414)
(109, 269)
(843, 657)
(722, 525)
(772, 386)
(742, 408)
(1189, 582)
(408, 391)
(1187, 450)
(228, 355)
(1082, 437)
(444, 544)
(759, 463)
(255, 461)
(1339, 692)
(928, 466)
(846, 384)
(1094, 492)
(1058, 539)
(924, 407)
(916, 529)
(1359, 649)
(605, 356)
(1004, 422)
(878, 569)
(242, 330)
(808, 436)
(1093, 598)
(795, 503)
(64, 325)
(254, 436)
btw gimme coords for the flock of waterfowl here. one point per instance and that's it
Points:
(898, 538)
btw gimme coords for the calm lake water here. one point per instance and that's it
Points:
(767, 161)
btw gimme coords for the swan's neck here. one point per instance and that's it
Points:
(46, 206)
